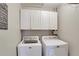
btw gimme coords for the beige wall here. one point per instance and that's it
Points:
(39, 33)
(9, 38)
(39, 8)
(69, 27)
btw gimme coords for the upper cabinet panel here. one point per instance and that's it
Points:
(45, 20)
(53, 20)
(35, 19)
(25, 19)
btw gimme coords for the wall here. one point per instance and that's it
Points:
(68, 17)
(9, 38)
(39, 8)
(39, 33)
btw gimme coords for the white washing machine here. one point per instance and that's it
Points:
(54, 47)
(30, 46)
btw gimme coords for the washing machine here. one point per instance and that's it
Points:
(30, 46)
(52, 46)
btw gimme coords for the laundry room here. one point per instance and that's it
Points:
(39, 29)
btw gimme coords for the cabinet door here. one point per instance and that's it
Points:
(44, 20)
(25, 19)
(53, 21)
(35, 19)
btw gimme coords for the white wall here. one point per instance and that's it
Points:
(69, 27)
(9, 38)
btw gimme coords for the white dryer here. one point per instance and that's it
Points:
(30, 46)
(54, 47)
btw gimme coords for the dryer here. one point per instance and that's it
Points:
(52, 46)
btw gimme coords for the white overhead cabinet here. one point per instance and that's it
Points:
(35, 19)
(44, 20)
(25, 19)
(38, 20)
(53, 20)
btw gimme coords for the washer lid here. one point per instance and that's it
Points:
(30, 41)
(54, 42)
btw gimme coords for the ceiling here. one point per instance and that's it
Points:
(41, 5)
